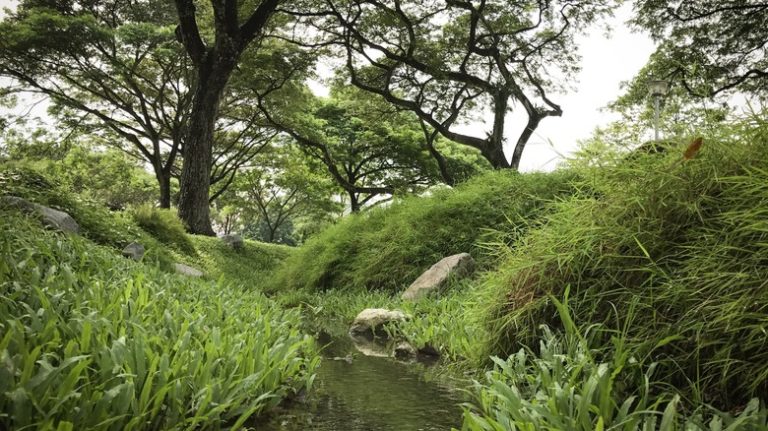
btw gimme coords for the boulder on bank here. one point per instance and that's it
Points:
(234, 241)
(187, 270)
(458, 265)
(371, 319)
(134, 251)
(52, 218)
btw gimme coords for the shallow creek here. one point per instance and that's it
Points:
(356, 392)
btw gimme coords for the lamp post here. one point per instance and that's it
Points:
(658, 89)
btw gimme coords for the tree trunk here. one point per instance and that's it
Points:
(533, 123)
(354, 203)
(195, 179)
(164, 180)
(494, 151)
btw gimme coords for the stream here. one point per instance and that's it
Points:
(369, 392)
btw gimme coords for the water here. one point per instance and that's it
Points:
(370, 393)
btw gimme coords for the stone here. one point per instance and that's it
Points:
(371, 319)
(134, 251)
(369, 346)
(404, 350)
(456, 266)
(52, 218)
(187, 270)
(234, 241)
(429, 350)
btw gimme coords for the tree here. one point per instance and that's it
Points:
(282, 191)
(369, 148)
(213, 65)
(707, 47)
(114, 71)
(443, 59)
(109, 67)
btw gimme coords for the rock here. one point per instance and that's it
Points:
(458, 265)
(348, 359)
(428, 350)
(187, 270)
(134, 251)
(234, 241)
(51, 217)
(404, 350)
(372, 318)
(370, 346)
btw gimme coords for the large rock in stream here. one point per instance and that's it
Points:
(456, 266)
(370, 319)
(52, 218)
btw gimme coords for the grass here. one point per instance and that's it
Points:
(686, 242)
(159, 231)
(568, 384)
(164, 225)
(387, 248)
(250, 266)
(444, 323)
(90, 340)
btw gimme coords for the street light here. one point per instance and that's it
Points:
(658, 89)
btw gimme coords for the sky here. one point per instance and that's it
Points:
(606, 62)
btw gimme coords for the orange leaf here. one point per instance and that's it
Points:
(692, 149)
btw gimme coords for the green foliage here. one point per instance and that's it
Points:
(250, 266)
(566, 385)
(707, 47)
(685, 240)
(387, 248)
(164, 225)
(90, 340)
(96, 222)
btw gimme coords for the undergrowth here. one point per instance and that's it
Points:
(687, 241)
(90, 340)
(575, 381)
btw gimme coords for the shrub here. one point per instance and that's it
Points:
(97, 223)
(387, 248)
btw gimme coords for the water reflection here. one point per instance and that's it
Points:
(370, 393)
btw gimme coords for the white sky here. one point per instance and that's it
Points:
(606, 62)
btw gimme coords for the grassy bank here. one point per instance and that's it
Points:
(159, 231)
(387, 248)
(665, 260)
(91, 340)
(674, 255)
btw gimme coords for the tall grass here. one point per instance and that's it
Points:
(90, 340)
(387, 248)
(569, 384)
(687, 242)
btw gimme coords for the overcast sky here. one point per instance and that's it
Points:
(606, 62)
